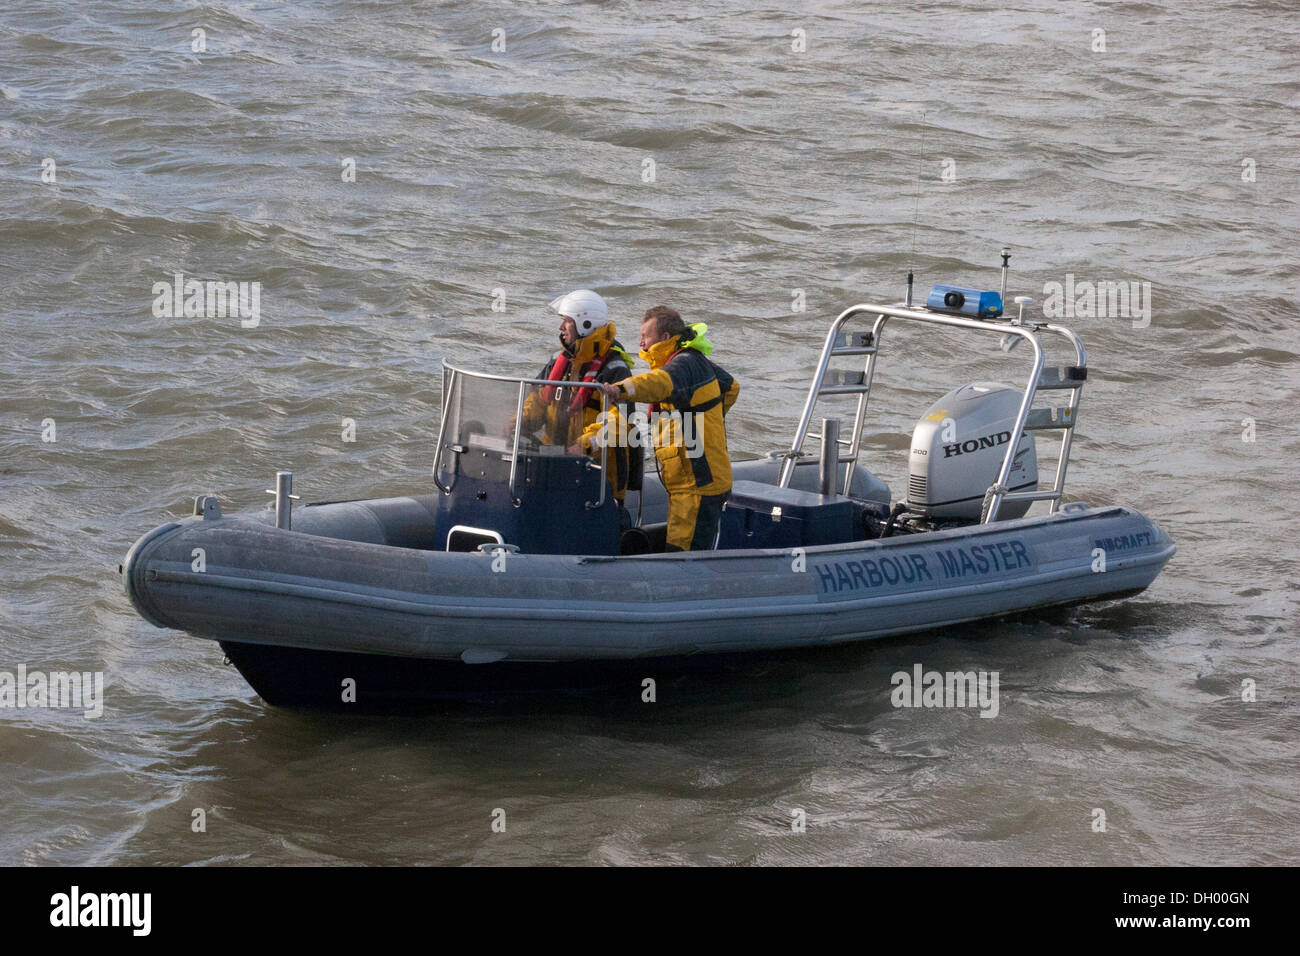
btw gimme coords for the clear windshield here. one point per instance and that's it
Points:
(479, 411)
(485, 413)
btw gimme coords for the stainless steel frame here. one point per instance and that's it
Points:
(1028, 418)
(449, 375)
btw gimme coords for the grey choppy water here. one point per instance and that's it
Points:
(523, 169)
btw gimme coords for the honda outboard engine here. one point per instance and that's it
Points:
(957, 451)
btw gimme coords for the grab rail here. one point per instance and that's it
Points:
(997, 493)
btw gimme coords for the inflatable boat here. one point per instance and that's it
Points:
(518, 571)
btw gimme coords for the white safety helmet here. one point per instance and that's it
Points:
(586, 308)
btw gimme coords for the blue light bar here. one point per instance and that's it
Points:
(972, 302)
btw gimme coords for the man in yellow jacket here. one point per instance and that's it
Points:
(571, 417)
(690, 395)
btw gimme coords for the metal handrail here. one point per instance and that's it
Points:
(1029, 331)
(447, 386)
(447, 366)
(604, 454)
(514, 449)
(1075, 394)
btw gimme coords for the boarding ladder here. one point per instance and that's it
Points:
(842, 343)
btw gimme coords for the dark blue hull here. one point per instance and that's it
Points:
(296, 677)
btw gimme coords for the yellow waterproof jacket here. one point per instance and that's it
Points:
(561, 425)
(691, 395)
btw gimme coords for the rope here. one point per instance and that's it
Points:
(994, 489)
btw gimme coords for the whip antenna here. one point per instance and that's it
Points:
(916, 212)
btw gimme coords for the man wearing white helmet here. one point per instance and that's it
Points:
(589, 353)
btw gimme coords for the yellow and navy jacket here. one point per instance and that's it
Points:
(682, 380)
(561, 426)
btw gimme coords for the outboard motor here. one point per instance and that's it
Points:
(957, 451)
